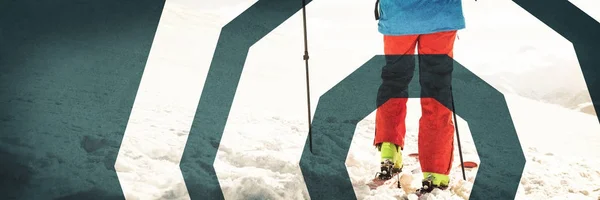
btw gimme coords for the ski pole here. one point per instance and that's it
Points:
(457, 135)
(307, 75)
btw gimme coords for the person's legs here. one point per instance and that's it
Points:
(392, 96)
(436, 128)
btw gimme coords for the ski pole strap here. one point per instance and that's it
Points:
(377, 10)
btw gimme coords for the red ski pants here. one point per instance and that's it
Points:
(436, 129)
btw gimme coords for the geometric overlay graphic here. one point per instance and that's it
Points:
(342, 107)
(580, 29)
(69, 73)
(219, 90)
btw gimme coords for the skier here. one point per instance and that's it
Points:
(431, 27)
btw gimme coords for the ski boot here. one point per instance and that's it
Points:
(391, 160)
(432, 181)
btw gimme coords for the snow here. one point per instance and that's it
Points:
(260, 150)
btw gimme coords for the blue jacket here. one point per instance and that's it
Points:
(407, 17)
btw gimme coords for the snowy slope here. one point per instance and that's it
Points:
(261, 147)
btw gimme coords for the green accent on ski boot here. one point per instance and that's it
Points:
(390, 151)
(438, 180)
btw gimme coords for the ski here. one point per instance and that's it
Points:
(387, 173)
(427, 187)
(466, 164)
(377, 182)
